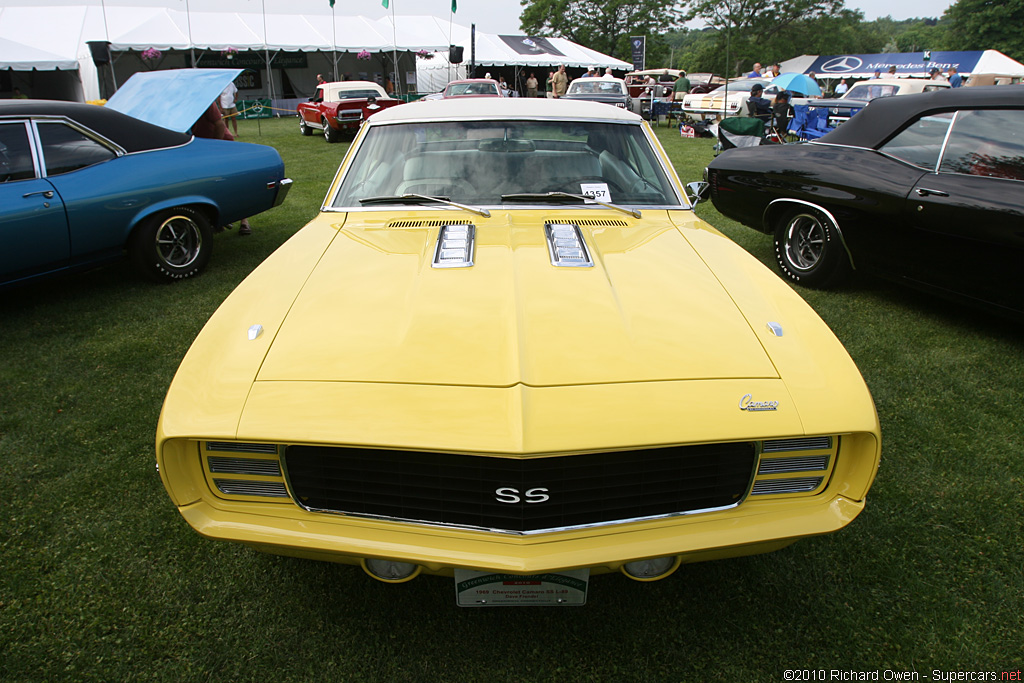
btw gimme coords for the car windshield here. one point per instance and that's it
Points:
(479, 162)
(744, 86)
(354, 94)
(868, 91)
(596, 86)
(471, 89)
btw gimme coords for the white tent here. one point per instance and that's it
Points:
(908, 64)
(62, 45)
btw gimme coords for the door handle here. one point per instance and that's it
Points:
(48, 194)
(924, 192)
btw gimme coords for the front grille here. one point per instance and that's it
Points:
(570, 491)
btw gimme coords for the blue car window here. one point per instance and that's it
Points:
(15, 153)
(66, 149)
(987, 142)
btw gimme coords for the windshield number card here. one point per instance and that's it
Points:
(598, 191)
(479, 589)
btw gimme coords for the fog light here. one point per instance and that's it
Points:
(390, 571)
(652, 569)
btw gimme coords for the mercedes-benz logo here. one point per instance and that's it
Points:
(842, 64)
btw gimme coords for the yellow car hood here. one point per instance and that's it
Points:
(374, 310)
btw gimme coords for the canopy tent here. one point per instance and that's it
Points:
(522, 53)
(62, 45)
(908, 64)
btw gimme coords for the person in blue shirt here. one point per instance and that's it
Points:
(756, 73)
(955, 79)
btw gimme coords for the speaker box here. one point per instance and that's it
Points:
(455, 54)
(100, 50)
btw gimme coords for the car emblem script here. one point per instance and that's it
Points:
(509, 495)
(750, 405)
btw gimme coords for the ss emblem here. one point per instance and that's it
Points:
(507, 494)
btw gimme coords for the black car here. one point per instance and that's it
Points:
(607, 90)
(925, 189)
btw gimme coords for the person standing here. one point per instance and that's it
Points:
(681, 86)
(211, 125)
(842, 87)
(955, 79)
(560, 83)
(227, 106)
(756, 71)
(549, 84)
(531, 86)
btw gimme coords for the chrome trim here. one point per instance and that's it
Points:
(800, 463)
(769, 487)
(245, 487)
(775, 328)
(945, 140)
(842, 238)
(257, 467)
(241, 447)
(455, 245)
(510, 532)
(810, 443)
(566, 246)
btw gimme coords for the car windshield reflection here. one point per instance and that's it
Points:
(477, 162)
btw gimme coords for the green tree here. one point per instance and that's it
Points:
(754, 30)
(987, 25)
(602, 25)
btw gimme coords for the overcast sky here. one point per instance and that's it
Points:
(490, 16)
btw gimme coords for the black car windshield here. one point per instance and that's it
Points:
(476, 162)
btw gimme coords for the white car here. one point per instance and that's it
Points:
(729, 100)
(856, 98)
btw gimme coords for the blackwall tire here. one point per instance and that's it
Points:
(172, 245)
(808, 248)
(303, 128)
(330, 134)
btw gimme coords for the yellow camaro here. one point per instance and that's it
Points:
(508, 351)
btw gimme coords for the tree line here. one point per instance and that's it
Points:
(738, 33)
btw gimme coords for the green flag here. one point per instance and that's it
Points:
(385, 3)
(332, 3)
(455, 5)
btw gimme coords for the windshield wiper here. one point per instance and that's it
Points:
(534, 196)
(420, 198)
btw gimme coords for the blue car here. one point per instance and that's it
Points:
(81, 185)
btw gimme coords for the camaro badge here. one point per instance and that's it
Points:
(748, 403)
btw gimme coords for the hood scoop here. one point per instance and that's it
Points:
(454, 246)
(566, 246)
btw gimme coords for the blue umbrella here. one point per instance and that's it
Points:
(798, 83)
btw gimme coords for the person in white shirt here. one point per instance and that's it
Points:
(842, 87)
(227, 106)
(608, 73)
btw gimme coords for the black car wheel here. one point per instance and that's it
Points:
(303, 128)
(808, 248)
(330, 134)
(172, 245)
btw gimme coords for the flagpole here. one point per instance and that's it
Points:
(334, 43)
(397, 84)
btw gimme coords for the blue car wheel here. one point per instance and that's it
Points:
(172, 245)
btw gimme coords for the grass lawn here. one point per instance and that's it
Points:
(101, 579)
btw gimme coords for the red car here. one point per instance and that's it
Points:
(340, 107)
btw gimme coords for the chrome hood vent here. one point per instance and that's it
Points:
(454, 247)
(566, 246)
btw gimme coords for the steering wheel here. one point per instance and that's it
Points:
(573, 186)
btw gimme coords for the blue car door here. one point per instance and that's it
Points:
(33, 224)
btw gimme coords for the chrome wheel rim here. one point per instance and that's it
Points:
(327, 130)
(178, 241)
(805, 242)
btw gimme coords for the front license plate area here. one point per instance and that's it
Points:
(482, 589)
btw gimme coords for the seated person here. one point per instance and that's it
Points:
(782, 111)
(757, 105)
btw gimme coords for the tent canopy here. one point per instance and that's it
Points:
(908, 64)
